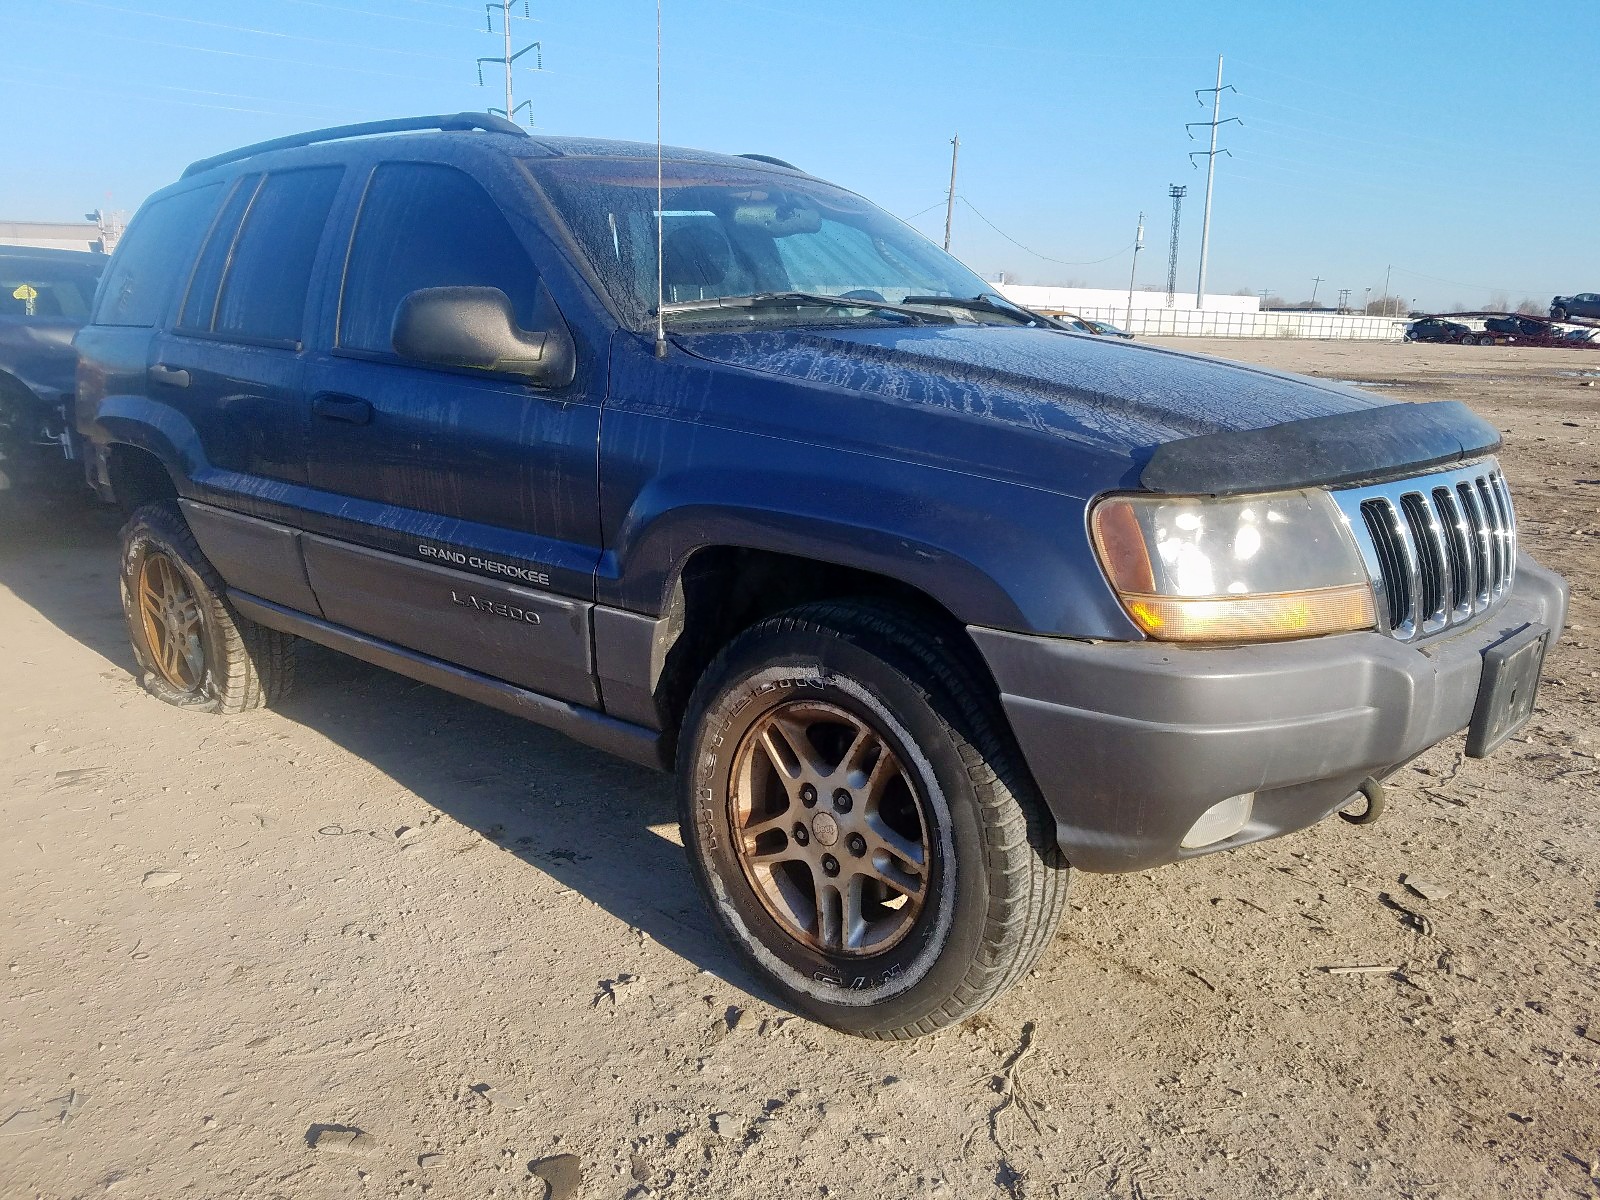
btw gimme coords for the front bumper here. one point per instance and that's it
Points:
(1130, 742)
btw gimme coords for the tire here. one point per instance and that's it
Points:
(945, 781)
(1558, 314)
(192, 648)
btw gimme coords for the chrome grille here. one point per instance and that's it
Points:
(1439, 548)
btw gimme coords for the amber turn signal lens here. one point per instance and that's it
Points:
(1120, 541)
(1253, 618)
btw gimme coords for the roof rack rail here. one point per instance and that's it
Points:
(769, 160)
(452, 122)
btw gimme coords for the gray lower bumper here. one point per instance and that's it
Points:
(1130, 742)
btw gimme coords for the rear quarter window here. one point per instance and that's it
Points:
(153, 256)
(200, 303)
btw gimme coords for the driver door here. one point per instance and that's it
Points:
(458, 508)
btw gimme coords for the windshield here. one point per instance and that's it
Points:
(728, 231)
(37, 288)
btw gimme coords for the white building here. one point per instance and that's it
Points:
(61, 235)
(1072, 299)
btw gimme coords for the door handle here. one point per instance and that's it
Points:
(352, 410)
(172, 376)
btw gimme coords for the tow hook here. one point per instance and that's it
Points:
(1377, 800)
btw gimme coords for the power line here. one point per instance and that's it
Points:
(939, 203)
(122, 92)
(51, 73)
(1118, 253)
(382, 16)
(293, 37)
(271, 58)
(1211, 169)
(1499, 287)
(964, 43)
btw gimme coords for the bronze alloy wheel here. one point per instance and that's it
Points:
(172, 624)
(829, 828)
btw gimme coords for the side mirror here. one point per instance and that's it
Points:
(475, 327)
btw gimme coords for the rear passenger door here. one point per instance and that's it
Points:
(463, 505)
(232, 363)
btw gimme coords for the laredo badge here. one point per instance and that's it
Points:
(494, 607)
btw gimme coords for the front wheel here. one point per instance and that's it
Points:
(1558, 314)
(861, 822)
(193, 649)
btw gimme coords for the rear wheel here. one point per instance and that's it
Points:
(861, 822)
(192, 648)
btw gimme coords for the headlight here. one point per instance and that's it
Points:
(1240, 569)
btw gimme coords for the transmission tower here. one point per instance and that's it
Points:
(1177, 193)
(1211, 168)
(503, 7)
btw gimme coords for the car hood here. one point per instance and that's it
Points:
(1104, 393)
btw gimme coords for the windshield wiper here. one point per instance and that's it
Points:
(988, 304)
(792, 299)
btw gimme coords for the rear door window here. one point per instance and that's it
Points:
(154, 256)
(423, 226)
(200, 304)
(263, 295)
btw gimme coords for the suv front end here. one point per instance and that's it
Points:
(1316, 642)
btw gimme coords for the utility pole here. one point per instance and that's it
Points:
(503, 7)
(1344, 299)
(1315, 283)
(950, 201)
(1138, 245)
(1211, 169)
(1177, 193)
(1387, 271)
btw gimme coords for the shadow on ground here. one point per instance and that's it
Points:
(581, 816)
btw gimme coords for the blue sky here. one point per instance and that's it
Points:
(1454, 142)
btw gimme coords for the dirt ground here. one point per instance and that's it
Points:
(230, 943)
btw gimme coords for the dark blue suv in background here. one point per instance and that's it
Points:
(45, 297)
(924, 597)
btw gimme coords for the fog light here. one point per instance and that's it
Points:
(1219, 821)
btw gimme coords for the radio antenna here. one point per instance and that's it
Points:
(661, 290)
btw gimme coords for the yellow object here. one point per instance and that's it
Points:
(1253, 618)
(26, 292)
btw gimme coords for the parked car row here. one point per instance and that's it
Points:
(45, 296)
(1497, 329)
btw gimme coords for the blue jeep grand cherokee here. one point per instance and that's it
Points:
(924, 598)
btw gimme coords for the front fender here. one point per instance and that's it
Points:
(991, 553)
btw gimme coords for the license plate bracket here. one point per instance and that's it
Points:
(1509, 686)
